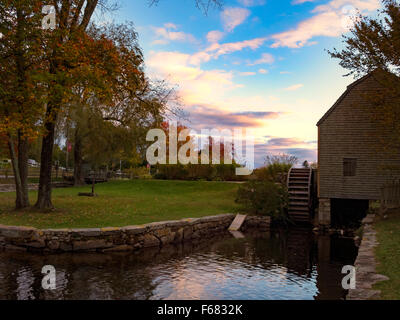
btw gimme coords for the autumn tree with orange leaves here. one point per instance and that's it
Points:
(73, 20)
(42, 70)
(23, 81)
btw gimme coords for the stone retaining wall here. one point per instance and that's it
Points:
(128, 238)
(366, 275)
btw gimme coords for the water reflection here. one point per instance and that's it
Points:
(283, 264)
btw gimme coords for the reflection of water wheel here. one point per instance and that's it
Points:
(299, 186)
(300, 250)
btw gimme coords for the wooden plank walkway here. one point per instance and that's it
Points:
(237, 223)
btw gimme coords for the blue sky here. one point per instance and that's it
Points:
(258, 64)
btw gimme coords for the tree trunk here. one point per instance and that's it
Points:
(44, 195)
(20, 161)
(46, 158)
(78, 161)
(23, 149)
(17, 178)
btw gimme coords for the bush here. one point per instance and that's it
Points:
(220, 172)
(173, 172)
(276, 168)
(264, 198)
(201, 172)
(227, 172)
(275, 172)
(138, 172)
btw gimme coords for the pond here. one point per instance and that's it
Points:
(278, 265)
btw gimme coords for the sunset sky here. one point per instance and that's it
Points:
(258, 64)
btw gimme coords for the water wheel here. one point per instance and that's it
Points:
(299, 187)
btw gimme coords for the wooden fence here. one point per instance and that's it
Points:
(390, 195)
(33, 173)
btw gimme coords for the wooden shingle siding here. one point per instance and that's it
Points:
(348, 131)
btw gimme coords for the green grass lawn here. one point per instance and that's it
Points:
(388, 256)
(122, 203)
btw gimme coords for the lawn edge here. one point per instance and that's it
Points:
(366, 264)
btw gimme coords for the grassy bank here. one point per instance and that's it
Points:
(122, 203)
(388, 255)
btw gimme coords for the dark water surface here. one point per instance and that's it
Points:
(279, 265)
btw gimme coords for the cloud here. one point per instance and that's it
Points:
(362, 5)
(262, 71)
(285, 72)
(206, 117)
(330, 20)
(215, 36)
(166, 34)
(232, 17)
(258, 114)
(303, 154)
(170, 25)
(294, 87)
(215, 50)
(294, 2)
(203, 87)
(303, 150)
(252, 3)
(285, 142)
(266, 58)
(247, 73)
(199, 57)
(196, 86)
(226, 48)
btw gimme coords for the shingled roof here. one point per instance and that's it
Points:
(349, 88)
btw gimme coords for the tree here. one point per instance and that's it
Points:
(73, 19)
(52, 62)
(22, 82)
(284, 159)
(374, 46)
(114, 125)
(65, 51)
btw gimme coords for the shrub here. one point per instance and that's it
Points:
(226, 172)
(201, 172)
(275, 172)
(220, 172)
(172, 172)
(138, 172)
(264, 198)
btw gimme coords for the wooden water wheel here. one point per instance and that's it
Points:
(299, 187)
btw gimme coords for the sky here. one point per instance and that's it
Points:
(258, 64)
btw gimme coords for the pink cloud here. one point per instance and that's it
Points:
(301, 1)
(266, 58)
(166, 35)
(252, 3)
(232, 17)
(294, 87)
(207, 116)
(215, 36)
(331, 20)
(249, 73)
(226, 48)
